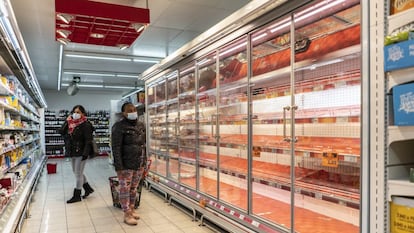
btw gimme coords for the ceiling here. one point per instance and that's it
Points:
(173, 23)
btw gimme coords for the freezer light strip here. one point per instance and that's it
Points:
(313, 10)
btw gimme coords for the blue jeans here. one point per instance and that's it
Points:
(78, 166)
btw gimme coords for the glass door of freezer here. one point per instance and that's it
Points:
(172, 124)
(158, 134)
(270, 102)
(187, 143)
(232, 122)
(327, 97)
(207, 125)
(305, 103)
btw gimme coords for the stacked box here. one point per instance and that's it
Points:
(403, 101)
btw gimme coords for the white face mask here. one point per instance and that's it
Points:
(132, 115)
(76, 116)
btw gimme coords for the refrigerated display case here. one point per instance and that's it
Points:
(267, 124)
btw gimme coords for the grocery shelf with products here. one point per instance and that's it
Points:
(241, 112)
(21, 157)
(21, 103)
(54, 141)
(398, 67)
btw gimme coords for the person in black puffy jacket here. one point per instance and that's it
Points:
(77, 133)
(128, 150)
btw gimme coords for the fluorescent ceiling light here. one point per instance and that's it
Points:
(118, 87)
(144, 60)
(66, 18)
(98, 57)
(102, 74)
(126, 76)
(138, 26)
(60, 66)
(123, 46)
(84, 85)
(132, 92)
(90, 74)
(113, 57)
(97, 35)
(100, 86)
(63, 41)
(64, 33)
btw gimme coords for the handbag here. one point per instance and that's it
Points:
(94, 150)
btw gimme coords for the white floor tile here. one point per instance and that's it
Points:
(96, 214)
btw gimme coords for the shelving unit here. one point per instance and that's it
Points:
(54, 141)
(21, 158)
(400, 139)
(100, 121)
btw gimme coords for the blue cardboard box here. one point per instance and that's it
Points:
(399, 56)
(403, 101)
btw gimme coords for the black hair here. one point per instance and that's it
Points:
(80, 107)
(124, 105)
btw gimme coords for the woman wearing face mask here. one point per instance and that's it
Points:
(77, 133)
(128, 150)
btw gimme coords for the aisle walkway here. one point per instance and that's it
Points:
(50, 213)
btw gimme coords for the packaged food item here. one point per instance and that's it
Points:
(398, 6)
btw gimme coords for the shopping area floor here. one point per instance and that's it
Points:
(49, 212)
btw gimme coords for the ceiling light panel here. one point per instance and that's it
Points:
(98, 23)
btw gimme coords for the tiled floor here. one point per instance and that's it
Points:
(50, 213)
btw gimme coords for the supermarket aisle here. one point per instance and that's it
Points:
(50, 213)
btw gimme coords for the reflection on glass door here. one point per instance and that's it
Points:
(207, 125)
(327, 126)
(158, 129)
(187, 126)
(232, 120)
(270, 95)
(172, 125)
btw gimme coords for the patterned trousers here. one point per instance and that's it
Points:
(128, 183)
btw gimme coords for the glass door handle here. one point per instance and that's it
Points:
(294, 108)
(285, 138)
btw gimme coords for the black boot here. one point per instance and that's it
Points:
(76, 196)
(88, 190)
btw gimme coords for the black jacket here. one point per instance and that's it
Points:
(128, 144)
(79, 143)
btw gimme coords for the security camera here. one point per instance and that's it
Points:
(73, 87)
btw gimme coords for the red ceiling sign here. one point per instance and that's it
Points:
(90, 22)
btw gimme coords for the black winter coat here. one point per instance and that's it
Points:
(79, 143)
(128, 140)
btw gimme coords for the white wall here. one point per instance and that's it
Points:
(91, 100)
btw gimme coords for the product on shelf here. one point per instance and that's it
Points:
(398, 6)
(401, 212)
(403, 104)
